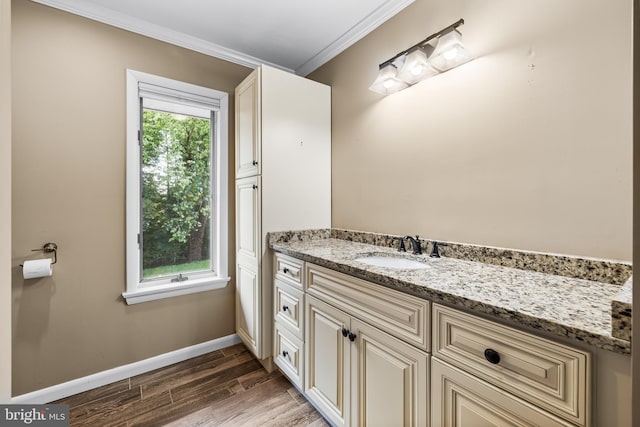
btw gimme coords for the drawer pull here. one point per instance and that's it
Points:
(254, 163)
(285, 270)
(352, 336)
(285, 353)
(345, 332)
(492, 356)
(285, 308)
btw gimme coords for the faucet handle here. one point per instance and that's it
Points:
(402, 248)
(434, 250)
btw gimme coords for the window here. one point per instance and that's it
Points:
(176, 188)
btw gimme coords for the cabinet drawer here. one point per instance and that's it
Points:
(547, 374)
(404, 316)
(459, 399)
(288, 269)
(289, 307)
(289, 355)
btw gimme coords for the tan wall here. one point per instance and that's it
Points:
(529, 146)
(69, 187)
(5, 200)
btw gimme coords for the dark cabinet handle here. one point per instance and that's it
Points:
(345, 332)
(492, 356)
(255, 187)
(285, 270)
(285, 353)
(285, 308)
(352, 336)
(254, 163)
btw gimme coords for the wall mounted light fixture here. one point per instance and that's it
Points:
(436, 54)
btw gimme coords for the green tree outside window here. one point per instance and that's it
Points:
(176, 193)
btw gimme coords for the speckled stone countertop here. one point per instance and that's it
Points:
(570, 307)
(621, 309)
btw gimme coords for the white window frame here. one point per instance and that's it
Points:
(137, 290)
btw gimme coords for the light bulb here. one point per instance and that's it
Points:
(417, 70)
(450, 54)
(386, 82)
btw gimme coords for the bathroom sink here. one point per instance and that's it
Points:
(397, 262)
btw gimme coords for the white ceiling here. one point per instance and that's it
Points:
(295, 35)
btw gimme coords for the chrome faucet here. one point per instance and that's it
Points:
(415, 243)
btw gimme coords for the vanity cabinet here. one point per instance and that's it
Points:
(365, 354)
(359, 375)
(358, 370)
(283, 182)
(485, 373)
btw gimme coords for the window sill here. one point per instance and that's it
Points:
(151, 293)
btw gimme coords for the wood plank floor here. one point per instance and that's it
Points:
(226, 387)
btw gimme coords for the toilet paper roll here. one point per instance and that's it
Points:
(35, 268)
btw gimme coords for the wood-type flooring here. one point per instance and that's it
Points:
(227, 387)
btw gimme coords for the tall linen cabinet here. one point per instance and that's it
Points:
(283, 182)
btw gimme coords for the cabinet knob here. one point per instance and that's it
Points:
(254, 186)
(285, 270)
(352, 336)
(345, 332)
(285, 353)
(285, 308)
(492, 356)
(254, 163)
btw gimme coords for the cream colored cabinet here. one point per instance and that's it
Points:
(389, 378)
(462, 400)
(283, 182)
(328, 362)
(248, 126)
(495, 372)
(288, 322)
(357, 373)
(247, 262)
(289, 355)
(359, 351)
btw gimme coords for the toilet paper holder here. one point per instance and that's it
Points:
(48, 248)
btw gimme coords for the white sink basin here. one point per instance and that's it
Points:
(392, 262)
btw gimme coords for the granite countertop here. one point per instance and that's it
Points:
(570, 307)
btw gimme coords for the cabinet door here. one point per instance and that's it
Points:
(248, 221)
(248, 280)
(296, 151)
(247, 307)
(462, 400)
(248, 126)
(389, 380)
(327, 360)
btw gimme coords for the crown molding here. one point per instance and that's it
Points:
(139, 26)
(157, 32)
(357, 32)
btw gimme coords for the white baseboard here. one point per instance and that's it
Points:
(89, 382)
